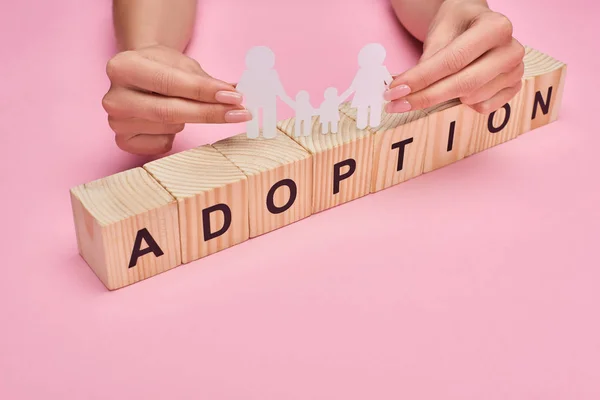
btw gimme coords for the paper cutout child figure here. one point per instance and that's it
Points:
(329, 112)
(369, 85)
(261, 86)
(304, 114)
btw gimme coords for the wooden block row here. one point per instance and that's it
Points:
(186, 206)
(407, 145)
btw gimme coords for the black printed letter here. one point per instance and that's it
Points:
(337, 178)
(400, 146)
(539, 101)
(206, 221)
(273, 209)
(491, 126)
(451, 136)
(138, 251)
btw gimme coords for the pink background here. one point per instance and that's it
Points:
(477, 281)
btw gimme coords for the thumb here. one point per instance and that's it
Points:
(201, 71)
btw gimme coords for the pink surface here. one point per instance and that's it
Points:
(477, 281)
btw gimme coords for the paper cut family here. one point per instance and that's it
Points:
(261, 86)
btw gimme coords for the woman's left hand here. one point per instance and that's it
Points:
(469, 53)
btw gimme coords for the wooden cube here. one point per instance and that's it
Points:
(449, 132)
(398, 147)
(498, 127)
(543, 86)
(127, 227)
(212, 196)
(342, 161)
(279, 173)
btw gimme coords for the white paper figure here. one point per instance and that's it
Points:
(261, 86)
(304, 114)
(329, 112)
(369, 85)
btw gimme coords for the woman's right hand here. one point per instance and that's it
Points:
(156, 90)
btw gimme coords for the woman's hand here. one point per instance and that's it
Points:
(156, 90)
(469, 53)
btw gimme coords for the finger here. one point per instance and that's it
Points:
(133, 126)
(171, 57)
(485, 34)
(440, 36)
(498, 100)
(145, 144)
(474, 76)
(132, 70)
(502, 81)
(124, 103)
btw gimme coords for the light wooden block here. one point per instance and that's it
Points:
(398, 147)
(212, 196)
(498, 127)
(342, 162)
(450, 129)
(543, 85)
(127, 227)
(280, 179)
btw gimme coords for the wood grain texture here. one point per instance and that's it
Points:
(543, 74)
(509, 118)
(108, 214)
(394, 165)
(543, 86)
(350, 143)
(266, 162)
(449, 132)
(199, 179)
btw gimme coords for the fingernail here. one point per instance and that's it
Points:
(396, 92)
(227, 97)
(234, 116)
(398, 106)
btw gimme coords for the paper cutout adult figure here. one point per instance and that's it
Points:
(261, 86)
(369, 85)
(329, 112)
(304, 113)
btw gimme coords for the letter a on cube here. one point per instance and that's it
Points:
(127, 227)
